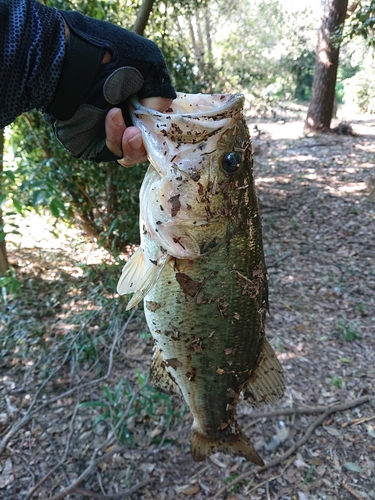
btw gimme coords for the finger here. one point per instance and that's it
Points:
(161, 104)
(132, 147)
(114, 130)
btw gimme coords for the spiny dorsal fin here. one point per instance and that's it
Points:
(160, 378)
(132, 273)
(267, 382)
(233, 444)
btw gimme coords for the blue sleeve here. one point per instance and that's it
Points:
(32, 46)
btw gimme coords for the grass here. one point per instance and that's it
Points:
(347, 331)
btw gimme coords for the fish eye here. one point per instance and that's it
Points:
(231, 162)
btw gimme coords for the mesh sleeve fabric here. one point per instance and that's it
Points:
(32, 47)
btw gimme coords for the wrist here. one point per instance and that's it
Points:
(107, 56)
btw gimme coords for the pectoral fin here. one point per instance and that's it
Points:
(132, 273)
(160, 378)
(139, 276)
(266, 385)
(233, 444)
(150, 277)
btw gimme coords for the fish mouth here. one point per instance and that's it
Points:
(189, 128)
(195, 106)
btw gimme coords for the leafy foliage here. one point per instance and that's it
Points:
(362, 22)
(102, 198)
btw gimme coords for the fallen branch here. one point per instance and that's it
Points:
(276, 461)
(311, 410)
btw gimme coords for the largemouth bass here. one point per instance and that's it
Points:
(200, 268)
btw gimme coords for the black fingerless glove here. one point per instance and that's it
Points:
(88, 89)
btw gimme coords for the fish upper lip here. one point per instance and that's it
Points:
(233, 100)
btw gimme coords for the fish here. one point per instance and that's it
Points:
(200, 268)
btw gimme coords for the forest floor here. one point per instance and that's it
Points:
(77, 417)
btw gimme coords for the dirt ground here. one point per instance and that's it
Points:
(77, 417)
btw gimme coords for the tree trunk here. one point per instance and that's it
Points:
(319, 114)
(4, 264)
(143, 16)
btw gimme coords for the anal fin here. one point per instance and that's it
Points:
(232, 444)
(266, 384)
(160, 378)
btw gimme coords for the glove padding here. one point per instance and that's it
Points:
(88, 88)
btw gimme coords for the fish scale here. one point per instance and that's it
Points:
(200, 268)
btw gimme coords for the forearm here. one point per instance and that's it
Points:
(32, 46)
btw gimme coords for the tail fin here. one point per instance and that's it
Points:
(233, 444)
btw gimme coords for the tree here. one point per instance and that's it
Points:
(320, 110)
(4, 264)
(143, 16)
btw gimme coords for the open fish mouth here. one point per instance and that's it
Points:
(196, 106)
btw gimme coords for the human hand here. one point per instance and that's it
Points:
(104, 64)
(126, 142)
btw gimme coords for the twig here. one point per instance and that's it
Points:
(90, 494)
(310, 410)
(358, 421)
(276, 461)
(352, 491)
(277, 262)
(272, 478)
(116, 496)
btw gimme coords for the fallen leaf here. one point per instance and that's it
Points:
(302, 496)
(352, 467)
(333, 431)
(370, 430)
(282, 433)
(300, 463)
(188, 489)
(6, 476)
(273, 444)
(218, 462)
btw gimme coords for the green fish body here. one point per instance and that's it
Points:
(200, 268)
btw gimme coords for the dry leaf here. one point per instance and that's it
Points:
(218, 462)
(300, 463)
(188, 489)
(6, 476)
(302, 496)
(333, 431)
(352, 467)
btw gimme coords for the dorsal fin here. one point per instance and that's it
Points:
(266, 385)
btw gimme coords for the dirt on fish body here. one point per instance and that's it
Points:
(200, 267)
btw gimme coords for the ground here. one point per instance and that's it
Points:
(77, 417)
